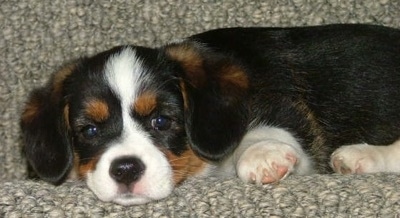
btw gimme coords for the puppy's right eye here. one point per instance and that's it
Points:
(89, 132)
(161, 123)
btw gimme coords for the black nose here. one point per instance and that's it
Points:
(127, 170)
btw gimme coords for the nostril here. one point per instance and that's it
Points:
(126, 170)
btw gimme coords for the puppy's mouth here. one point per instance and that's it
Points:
(128, 198)
(131, 195)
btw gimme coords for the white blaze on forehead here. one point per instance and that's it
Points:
(124, 73)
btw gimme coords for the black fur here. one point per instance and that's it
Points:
(346, 76)
(47, 138)
(216, 115)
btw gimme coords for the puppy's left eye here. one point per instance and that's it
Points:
(90, 132)
(161, 123)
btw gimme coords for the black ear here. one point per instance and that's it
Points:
(45, 129)
(214, 89)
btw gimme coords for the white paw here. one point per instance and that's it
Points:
(267, 162)
(356, 159)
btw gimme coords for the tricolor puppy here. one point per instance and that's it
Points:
(259, 103)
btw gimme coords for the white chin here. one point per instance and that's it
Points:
(129, 199)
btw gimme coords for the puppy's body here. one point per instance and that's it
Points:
(327, 86)
(259, 103)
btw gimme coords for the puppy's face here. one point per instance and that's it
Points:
(125, 122)
(126, 116)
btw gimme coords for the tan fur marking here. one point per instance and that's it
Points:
(233, 75)
(90, 166)
(60, 76)
(32, 109)
(145, 103)
(97, 110)
(318, 145)
(75, 167)
(184, 165)
(184, 94)
(66, 116)
(191, 62)
(35, 103)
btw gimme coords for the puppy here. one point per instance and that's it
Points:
(259, 103)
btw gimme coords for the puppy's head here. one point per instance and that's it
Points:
(130, 120)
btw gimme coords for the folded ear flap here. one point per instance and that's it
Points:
(214, 90)
(45, 127)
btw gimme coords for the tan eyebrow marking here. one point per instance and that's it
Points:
(145, 103)
(97, 110)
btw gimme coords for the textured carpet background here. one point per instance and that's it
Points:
(37, 36)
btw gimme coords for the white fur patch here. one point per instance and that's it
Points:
(267, 154)
(364, 158)
(125, 73)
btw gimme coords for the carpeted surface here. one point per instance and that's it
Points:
(312, 196)
(38, 36)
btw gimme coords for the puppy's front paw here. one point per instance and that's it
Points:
(267, 162)
(356, 159)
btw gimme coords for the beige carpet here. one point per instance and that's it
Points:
(37, 36)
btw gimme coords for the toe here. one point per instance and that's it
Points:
(291, 158)
(267, 178)
(278, 173)
(340, 167)
(281, 171)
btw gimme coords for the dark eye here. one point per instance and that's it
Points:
(90, 131)
(161, 123)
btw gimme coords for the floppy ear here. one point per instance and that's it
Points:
(45, 127)
(214, 90)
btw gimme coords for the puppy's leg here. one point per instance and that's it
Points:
(363, 158)
(268, 154)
